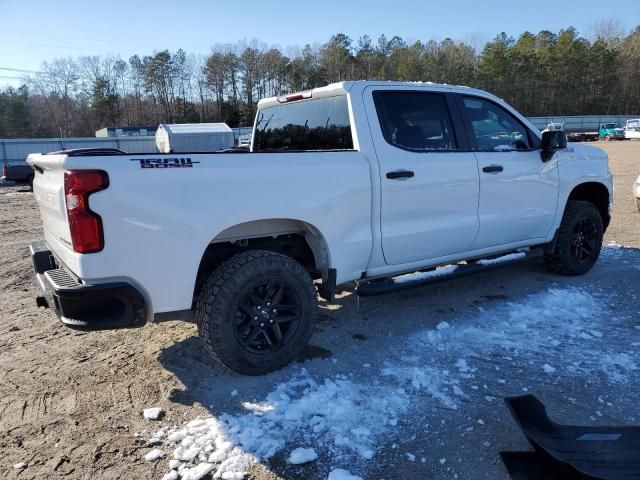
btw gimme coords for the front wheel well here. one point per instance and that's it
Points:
(596, 193)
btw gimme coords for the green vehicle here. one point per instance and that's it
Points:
(610, 131)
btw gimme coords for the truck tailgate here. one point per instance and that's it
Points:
(48, 189)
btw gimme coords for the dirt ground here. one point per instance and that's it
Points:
(71, 402)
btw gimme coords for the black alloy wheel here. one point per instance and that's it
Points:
(268, 316)
(579, 239)
(257, 311)
(585, 237)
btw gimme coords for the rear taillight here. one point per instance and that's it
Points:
(86, 226)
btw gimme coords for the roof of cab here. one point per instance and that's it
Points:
(342, 88)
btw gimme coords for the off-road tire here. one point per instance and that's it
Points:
(607, 138)
(561, 260)
(218, 302)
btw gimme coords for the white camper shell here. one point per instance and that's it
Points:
(193, 137)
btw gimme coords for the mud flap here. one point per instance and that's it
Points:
(608, 453)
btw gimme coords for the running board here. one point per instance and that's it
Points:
(428, 277)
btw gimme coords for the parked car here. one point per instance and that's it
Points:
(20, 173)
(353, 182)
(610, 131)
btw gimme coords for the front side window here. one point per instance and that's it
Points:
(316, 124)
(494, 128)
(416, 121)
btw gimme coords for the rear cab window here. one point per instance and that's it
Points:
(415, 121)
(494, 129)
(316, 124)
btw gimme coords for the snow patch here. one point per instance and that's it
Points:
(302, 455)
(154, 455)
(197, 472)
(340, 474)
(436, 382)
(417, 276)
(344, 418)
(153, 413)
(504, 258)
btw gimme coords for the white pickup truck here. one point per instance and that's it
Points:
(354, 182)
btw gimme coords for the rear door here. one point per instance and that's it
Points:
(429, 184)
(518, 191)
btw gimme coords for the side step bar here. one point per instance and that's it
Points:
(428, 277)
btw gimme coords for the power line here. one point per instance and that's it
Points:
(48, 45)
(71, 37)
(18, 70)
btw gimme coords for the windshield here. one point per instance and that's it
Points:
(609, 126)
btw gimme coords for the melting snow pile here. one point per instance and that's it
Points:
(558, 332)
(563, 328)
(337, 415)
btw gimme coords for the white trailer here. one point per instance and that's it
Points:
(194, 137)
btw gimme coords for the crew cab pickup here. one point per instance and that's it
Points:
(355, 183)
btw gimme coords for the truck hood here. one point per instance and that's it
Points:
(587, 152)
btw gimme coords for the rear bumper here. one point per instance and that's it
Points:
(84, 306)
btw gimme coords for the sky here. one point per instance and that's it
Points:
(32, 31)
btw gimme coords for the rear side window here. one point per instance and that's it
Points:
(416, 121)
(494, 128)
(317, 124)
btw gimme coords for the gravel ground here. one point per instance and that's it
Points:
(71, 402)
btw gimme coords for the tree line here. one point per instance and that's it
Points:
(539, 74)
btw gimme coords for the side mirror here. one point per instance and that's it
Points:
(552, 141)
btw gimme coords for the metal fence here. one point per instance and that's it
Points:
(583, 123)
(16, 150)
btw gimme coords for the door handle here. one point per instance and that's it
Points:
(400, 174)
(493, 169)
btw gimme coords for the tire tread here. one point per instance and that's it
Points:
(559, 260)
(218, 291)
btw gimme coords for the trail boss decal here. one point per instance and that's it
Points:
(164, 162)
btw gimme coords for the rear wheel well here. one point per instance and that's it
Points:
(597, 194)
(304, 246)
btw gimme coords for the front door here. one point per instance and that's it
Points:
(429, 187)
(518, 191)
